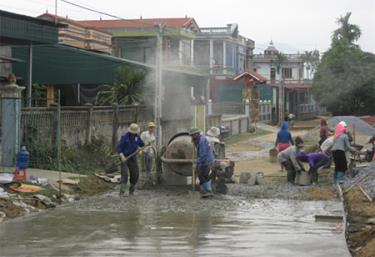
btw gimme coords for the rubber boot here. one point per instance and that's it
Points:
(206, 189)
(339, 177)
(131, 189)
(122, 189)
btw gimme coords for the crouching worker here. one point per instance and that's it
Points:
(315, 161)
(205, 160)
(288, 159)
(127, 149)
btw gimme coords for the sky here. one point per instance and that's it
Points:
(293, 25)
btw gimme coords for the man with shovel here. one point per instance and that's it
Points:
(127, 149)
(205, 159)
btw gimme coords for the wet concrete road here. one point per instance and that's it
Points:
(167, 223)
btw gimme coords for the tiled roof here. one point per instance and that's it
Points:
(252, 74)
(139, 23)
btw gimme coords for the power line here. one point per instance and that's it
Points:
(113, 16)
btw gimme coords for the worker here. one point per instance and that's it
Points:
(370, 154)
(288, 159)
(284, 139)
(340, 147)
(324, 131)
(126, 148)
(148, 153)
(205, 160)
(213, 138)
(315, 161)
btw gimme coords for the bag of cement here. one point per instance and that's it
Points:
(273, 154)
(244, 177)
(303, 178)
(327, 144)
(260, 178)
(252, 180)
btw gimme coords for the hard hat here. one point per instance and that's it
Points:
(194, 131)
(213, 132)
(151, 124)
(133, 128)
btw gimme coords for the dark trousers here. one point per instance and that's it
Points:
(203, 172)
(314, 171)
(341, 165)
(291, 171)
(130, 166)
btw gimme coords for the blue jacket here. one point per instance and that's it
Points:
(284, 136)
(204, 152)
(129, 143)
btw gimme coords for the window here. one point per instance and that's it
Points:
(273, 73)
(287, 73)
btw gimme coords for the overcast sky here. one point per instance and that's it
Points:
(294, 25)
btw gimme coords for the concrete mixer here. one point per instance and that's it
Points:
(177, 164)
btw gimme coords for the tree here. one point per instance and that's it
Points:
(311, 61)
(347, 32)
(126, 89)
(345, 78)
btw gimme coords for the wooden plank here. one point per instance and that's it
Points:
(364, 192)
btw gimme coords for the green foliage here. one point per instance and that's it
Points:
(345, 78)
(126, 90)
(84, 159)
(39, 95)
(348, 32)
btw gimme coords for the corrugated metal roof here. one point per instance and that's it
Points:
(58, 64)
(21, 29)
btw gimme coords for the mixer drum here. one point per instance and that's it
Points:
(178, 155)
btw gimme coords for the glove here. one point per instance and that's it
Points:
(122, 157)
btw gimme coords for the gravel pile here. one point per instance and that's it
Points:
(360, 126)
(365, 178)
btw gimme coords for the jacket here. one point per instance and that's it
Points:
(204, 152)
(128, 144)
(284, 136)
(290, 155)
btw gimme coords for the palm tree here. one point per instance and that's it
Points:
(348, 32)
(311, 60)
(126, 89)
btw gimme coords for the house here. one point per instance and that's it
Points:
(291, 89)
(76, 35)
(222, 51)
(136, 39)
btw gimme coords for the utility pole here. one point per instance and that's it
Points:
(30, 79)
(159, 84)
(281, 97)
(55, 11)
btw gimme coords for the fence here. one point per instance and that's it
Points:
(228, 108)
(80, 124)
(306, 111)
(236, 124)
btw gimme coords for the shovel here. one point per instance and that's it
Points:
(194, 194)
(114, 165)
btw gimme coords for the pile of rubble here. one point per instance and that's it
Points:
(365, 179)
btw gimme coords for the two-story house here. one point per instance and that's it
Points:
(291, 88)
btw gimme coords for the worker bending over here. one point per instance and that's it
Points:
(288, 159)
(205, 159)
